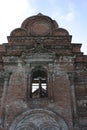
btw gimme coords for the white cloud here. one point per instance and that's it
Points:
(68, 17)
(64, 15)
(12, 14)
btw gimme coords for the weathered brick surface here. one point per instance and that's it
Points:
(40, 43)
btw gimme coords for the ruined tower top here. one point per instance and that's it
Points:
(43, 78)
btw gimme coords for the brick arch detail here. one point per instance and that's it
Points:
(35, 119)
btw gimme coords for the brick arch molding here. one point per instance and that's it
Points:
(39, 119)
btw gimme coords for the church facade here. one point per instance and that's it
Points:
(43, 78)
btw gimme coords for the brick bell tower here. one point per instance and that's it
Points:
(43, 78)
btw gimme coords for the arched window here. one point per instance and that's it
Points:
(38, 83)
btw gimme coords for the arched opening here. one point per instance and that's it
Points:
(38, 83)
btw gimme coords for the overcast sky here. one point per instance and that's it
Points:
(69, 14)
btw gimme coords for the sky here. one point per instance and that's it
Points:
(69, 14)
